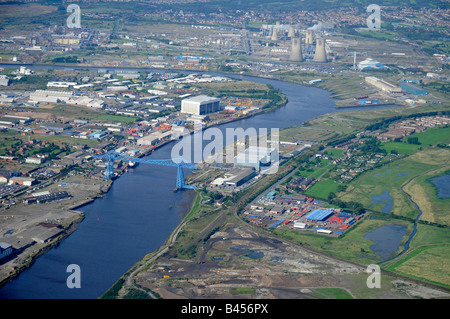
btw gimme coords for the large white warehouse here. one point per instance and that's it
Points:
(200, 105)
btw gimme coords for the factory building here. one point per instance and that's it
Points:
(371, 64)
(413, 89)
(148, 140)
(25, 181)
(319, 214)
(235, 177)
(382, 84)
(5, 250)
(48, 96)
(256, 157)
(12, 119)
(200, 105)
(4, 81)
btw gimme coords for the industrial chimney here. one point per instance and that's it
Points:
(274, 34)
(309, 37)
(291, 32)
(296, 50)
(320, 55)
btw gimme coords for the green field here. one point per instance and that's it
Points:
(352, 245)
(391, 177)
(332, 293)
(400, 147)
(430, 137)
(428, 258)
(322, 189)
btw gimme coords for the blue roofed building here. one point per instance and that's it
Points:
(413, 89)
(319, 214)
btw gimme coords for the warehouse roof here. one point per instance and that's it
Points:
(319, 214)
(202, 98)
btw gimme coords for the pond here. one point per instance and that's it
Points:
(442, 183)
(385, 199)
(387, 239)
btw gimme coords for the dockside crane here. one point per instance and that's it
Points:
(112, 156)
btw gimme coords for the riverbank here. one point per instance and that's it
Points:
(31, 254)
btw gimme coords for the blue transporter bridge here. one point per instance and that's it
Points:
(112, 156)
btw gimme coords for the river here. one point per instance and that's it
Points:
(141, 210)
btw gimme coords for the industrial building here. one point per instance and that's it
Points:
(413, 89)
(371, 64)
(18, 180)
(200, 105)
(48, 96)
(46, 198)
(235, 177)
(256, 157)
(319, 214)
(148, 140)
(5, 250)
(56, 127)
(75, 158)
(12, 119)
(4, 81)
(238, 176)
(382, 84)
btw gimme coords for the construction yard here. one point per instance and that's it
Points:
(238, 263)
(299, 213)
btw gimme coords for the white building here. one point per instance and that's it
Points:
(48, 96)
(34, 160)
(25, 181)
(4, 81)
(200, 105)
(61, 84)
(371, 64)
(148, 140)
(256, 156)
(382, 84)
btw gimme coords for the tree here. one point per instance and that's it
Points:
(413, 140)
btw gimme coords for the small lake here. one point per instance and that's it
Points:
(442, 183)
(387, 239)
(385, 199)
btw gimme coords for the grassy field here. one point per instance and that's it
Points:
(400, 147)
(321, 189)
(424, 194)
(428, 257)
(332, 293)
(391, 177)
(352, 245)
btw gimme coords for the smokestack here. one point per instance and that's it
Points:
(320, 55)
(296, 50)
(309, 37)
(291, 32)
(274, 35)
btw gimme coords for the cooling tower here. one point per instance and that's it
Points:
(274, 34)
(309, 37)
(320, 55)
(291, 32)
(296, 50)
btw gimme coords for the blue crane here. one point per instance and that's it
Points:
(112, 156)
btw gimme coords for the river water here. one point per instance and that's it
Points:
(141, 210)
